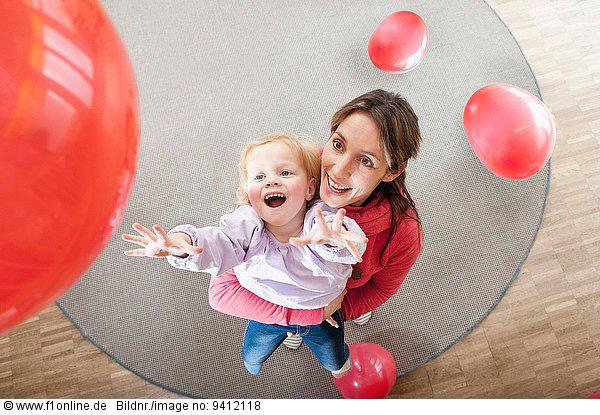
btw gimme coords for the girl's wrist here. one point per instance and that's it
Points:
(182, 236)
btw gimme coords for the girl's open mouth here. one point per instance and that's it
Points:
(274, 200)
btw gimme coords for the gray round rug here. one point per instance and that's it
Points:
(213, 75)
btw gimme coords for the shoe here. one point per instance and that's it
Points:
(343, 371)
(364, 319)
(293, 341)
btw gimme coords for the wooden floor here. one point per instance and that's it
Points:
(543, 339)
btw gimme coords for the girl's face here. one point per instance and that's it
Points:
(278, 186)
(353, 162)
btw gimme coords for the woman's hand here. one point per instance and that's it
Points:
(159, 245)
(332, 307)
(332, 233)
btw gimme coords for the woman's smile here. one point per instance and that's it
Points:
(335, 187)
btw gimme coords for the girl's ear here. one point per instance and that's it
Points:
(312, 187)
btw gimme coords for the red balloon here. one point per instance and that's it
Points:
(69, 134)
(373, 373)
(510, 130)
(399, 43)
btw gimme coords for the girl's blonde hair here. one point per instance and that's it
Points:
(307, 153)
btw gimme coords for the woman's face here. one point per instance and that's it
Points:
(353, 162)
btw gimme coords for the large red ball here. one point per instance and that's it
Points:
(69, 134)
(373, 372)
(510, 130)
(399, 43)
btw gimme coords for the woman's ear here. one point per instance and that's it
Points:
(312, 187)
(393, 174)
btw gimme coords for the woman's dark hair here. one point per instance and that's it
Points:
(399, 132)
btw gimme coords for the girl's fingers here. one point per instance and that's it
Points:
(295, 242)
(162, 235)
(144, 252)
(355, 253)
(193, 250)
(338, 220)
(160, 254)
(354, 237)
(300, 241)
(144, 231)
(135, 252)
(321, 224)
(138, 240)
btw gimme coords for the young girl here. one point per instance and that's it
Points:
(279, 248)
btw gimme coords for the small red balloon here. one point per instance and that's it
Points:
(373, 373)
(399, 43)
(510, 130)
(69, 134)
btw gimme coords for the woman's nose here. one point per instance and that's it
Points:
(343, 167)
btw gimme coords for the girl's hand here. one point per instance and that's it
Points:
(159, 245)
(332, 234)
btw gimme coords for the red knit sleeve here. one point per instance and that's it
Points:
(226, 294)
(385, 283)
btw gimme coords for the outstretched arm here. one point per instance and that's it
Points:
(159, 244)
(225, 246)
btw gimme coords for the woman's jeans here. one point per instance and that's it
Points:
(325, 341)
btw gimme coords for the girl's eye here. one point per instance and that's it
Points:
(286, 173)
(337, 144)
(366, 162)
(259, 177)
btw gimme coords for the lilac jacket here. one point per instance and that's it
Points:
(301, 278)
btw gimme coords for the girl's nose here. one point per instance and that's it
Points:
(273, 181)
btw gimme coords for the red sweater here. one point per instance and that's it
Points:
(374, 280)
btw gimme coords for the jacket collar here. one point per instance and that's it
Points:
(374, 217)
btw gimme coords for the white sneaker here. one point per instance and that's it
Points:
(364, 319)
(343, 371)
(293, 341)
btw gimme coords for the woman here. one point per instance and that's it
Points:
(362, 170)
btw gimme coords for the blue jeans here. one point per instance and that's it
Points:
(324, 340)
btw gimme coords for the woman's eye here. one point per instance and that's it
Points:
(286, 173)
(259, 177)
(337, 144)
(366, 162)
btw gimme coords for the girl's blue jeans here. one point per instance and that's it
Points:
(324, 340)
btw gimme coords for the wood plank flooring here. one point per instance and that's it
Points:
(542, 340)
